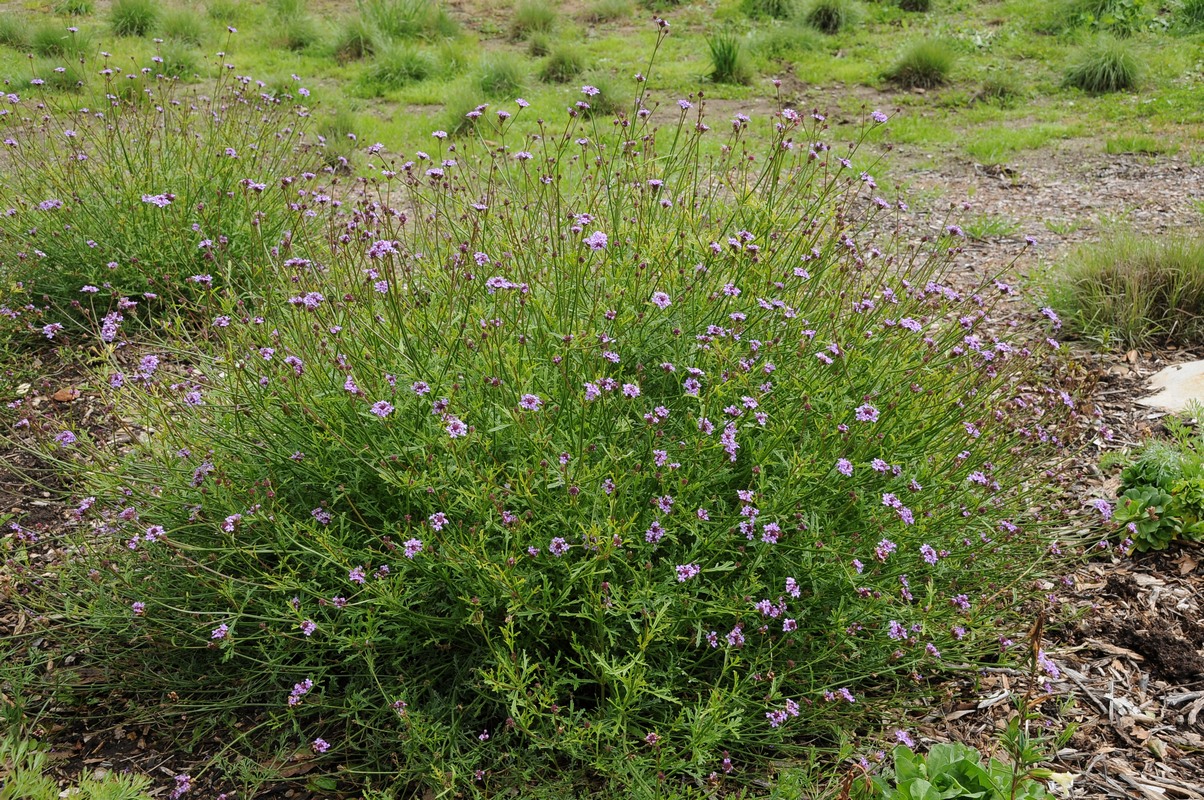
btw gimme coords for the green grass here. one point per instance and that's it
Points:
(52, 40)
(14, 31)
(532, 17)
(769, 9)
(916, 6)
(408, 19)
(1105, 65)
(601, 11)
(182, 25)
(399, 64)
(501, 75)
(1190, 16)
(998, 143)
(134, 17)
(564, 62)
(73, 8)
(1134, 290)
(1137, 143)
(925, 64)
(728, 62)
(830, 16)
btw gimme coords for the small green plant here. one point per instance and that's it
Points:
(1135, 290)
(532, 17)
(1000, 88)
(24, 775)
(55, 40)
(926, 64)
(399, 64)
(1105, 65)
(182, 25)
(14, 32)
(728, 64)
(768, 9)
(133, 17)
(501, 75)
(225, 11)
(785, 40)
(59, 75)
(297, 33)
(1161, 494)
(1117, 17)
(953, 770)
(176, 60)
(982, 227)
(1137, 143)
(608, 10)
(1190, 16)
(564, 63)
(464, 98)
(830, 16)
(408, 19)
(354, 40)
(607, 98)
(916, 6)
(73, 8)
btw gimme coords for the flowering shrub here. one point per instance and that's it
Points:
(585, 450)
(135, 195)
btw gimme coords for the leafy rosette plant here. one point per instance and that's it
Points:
(606, 449)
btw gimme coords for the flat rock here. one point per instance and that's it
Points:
(1177, 385)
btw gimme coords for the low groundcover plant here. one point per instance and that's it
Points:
(607, 449)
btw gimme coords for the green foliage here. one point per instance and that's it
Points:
(989, 226)
(608, 10)
(728, 63)
(916, 6)
(408, 19)
(177, 60)
(121, 243)
(1190, 15)
(954, 771)
(830, 16)
(24, 767)
(927, 63)
(609, 98)
(1003, 89)
(1139, 144)
(182, 25)
(501, 75)
(1162, 491)
(62, 76)
(1105, 65)
(354, 40)
(398, 64)
(73, 8)
(575, 537)
(462, 99)
(563, 63)
(14, 31)
(786, 40)
(1117, 17)
(1133, 290)
(768, 9)
(225, 11)
(55, 40)
(133, 17)
(532, 17)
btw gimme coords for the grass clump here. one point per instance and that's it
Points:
(14, 32)
(563, 63)
(769, 9)
(1139, 144)
(830, 16)
(354, 40)
(408, 19)
(1105, 65)
(399, 64)
(26, 770)
(728, 62)
(73, 8)
(1189, 16)
(532, 17)
(1134, 290)
(916, 6)
(501, 75)
(926, 64)
(182, 25)
(134, 17)
(786, 40)
(177, 60)
(608, 10)
(57, 41)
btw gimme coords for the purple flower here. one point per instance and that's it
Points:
(138, 607)
(686, 571)
(456, 428)
(412, 547)
(867, 413)
(356, 575)
(844, 467)
(319, 745)
(160, 200)
(1103, 507)
(220, 632)
(631, 390)
(308, 627)
(530, 402)
(661, 300)
(558, 546)
(904, 738)
(183, 786)
(596, 241)
(382, 408)
(65, 438)
(928, 553)
(50, 330)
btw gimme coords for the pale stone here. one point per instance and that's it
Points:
(1176, 386)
